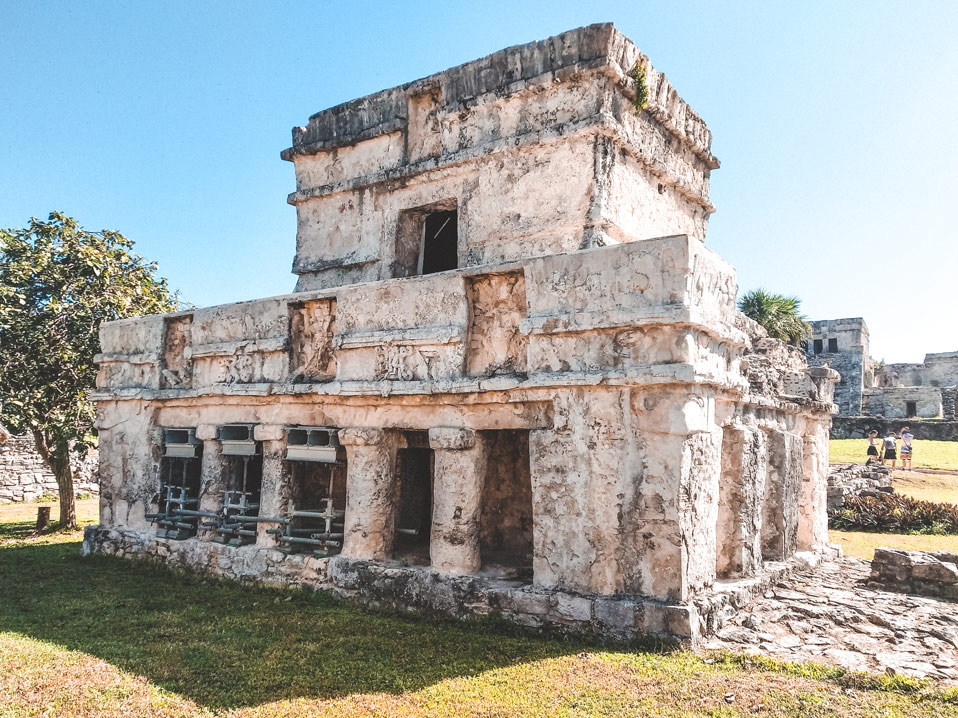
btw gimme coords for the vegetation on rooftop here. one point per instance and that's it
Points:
(641, 101)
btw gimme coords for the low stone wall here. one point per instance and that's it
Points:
(24, 476)
(386, 585)
(857, 427)
(853, 479)
(926, 573)
(404, 587)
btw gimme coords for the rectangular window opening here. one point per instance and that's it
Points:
(178, 502)
(427, 239)
(244, 480)
(440, 243)
(317, 507)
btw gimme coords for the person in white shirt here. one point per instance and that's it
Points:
(906, 439)
(891, 449)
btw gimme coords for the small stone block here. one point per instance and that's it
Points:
(573, 608)
(445, 437)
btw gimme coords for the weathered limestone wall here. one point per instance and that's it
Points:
(853, 479)
(866, 389)
(941, 369)
(857, 427)
(851, 360)
(538, 147)
(892, 402)
(901, 374)
(24, 476)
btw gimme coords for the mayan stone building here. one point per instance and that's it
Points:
(512, 378)
(900, 392)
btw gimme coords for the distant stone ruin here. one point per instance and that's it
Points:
(512, 378)
(25, 477)
(890, 391)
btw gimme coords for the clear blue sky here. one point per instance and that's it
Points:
(836, 124)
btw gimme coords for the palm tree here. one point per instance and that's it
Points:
(778, 314)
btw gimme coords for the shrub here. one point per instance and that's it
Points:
(641, 100)
(895, 513)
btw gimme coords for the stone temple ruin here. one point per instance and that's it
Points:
(512, 378)
(868, 388)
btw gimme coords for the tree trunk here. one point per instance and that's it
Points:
(43, 519)
(56, 455)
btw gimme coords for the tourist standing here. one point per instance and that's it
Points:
(906, 439)
(891, 449)
(873, 443)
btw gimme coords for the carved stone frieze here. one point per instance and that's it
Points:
(177, 369)
(313, 326)
(495, 344)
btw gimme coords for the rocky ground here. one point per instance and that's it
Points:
(829, 615)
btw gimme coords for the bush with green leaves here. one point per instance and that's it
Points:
(58, 282)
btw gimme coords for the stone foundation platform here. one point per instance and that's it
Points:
(392, 586)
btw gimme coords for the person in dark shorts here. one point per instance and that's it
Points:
(891, 449)
(873, 442)
(906, 438)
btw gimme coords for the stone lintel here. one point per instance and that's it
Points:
(206, 432)
(361, 436)
(269, 432)
(447, 437)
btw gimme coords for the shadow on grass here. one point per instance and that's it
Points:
(225, 645)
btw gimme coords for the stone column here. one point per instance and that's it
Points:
(213, 479)
(782, 492)
(677, 474)
(738, 539)
(459, 474)
(370, 521)
(274, 491)
(813, 507)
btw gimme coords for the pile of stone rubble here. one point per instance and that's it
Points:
(854, 479)
(927, 573)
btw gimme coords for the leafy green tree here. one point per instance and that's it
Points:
(778, 314)
(58, 282)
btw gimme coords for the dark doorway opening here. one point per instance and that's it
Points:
(317, 505)
(179, 497)
(832, 346)
(911, 408)
(180, 469)
(505, 531)
(414, 467)
(440, 242)
(817, 344)
(244, 481)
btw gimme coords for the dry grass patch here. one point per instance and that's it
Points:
(940, 488)
(862, 544)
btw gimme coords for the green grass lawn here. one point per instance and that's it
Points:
(108, 637)
(928, 454)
